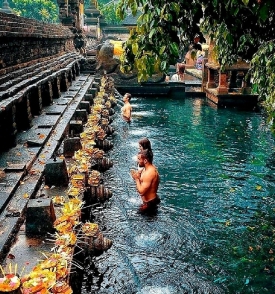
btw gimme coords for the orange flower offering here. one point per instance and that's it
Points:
(78, 181)
(97, 107)
(108, 104)
(68, 239)
(72, 219)
(38, 281)
(62, 288)
(72, 209)
(105, 112)
(88, 146)
(90, 229)
(93, 119)
(94, 178)
(74, 192)
(84, 166)
(58, 200)
(63, 227)
(64, 250)
(98, 101)
(62, 269)
(9, 282)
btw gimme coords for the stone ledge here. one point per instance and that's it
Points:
(13, 25)
(194, 72)
(12, 215)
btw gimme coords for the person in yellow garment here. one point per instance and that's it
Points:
(118, 47)
(147, 183)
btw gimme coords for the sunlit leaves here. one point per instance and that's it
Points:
(152, 33)
(42, 10)
(161, 50)
(262, 69)
(175, 7)
(174, 49)
(163, 65)
(134, 7)
(110, 13)
(135, 48)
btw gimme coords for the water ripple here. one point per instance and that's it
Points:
(216, 167)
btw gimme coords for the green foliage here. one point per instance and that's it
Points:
(239, 28)
(101, 2)
(109, 13)
(162, 33)
(263, 72)
(42, 10)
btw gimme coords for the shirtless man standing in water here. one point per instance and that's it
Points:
(147, 182)
(126, 110)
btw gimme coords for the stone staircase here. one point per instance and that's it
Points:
(23, 165)
(24, 90)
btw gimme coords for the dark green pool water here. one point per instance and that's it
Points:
(209, 236)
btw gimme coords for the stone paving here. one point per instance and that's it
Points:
(22, 175)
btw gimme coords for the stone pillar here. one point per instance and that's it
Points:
(70, 76)
(56, 173)
(204, 74)
(211, 78)
(40, 217)
(70, 13)
(64, 84)
(75, 127)
(71, 145)
(35, 100)
(233, 77)
(23, 113)
(77, 69)
(47, 93)
(56, 87)
(73, 72)
(8, 128)
(223, 86)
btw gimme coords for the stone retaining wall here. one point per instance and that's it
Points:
(38, 61)
(23, 40)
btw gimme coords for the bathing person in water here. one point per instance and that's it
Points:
(126, 110)
(144, 144)
(147, 182)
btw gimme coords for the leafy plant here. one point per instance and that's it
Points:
(240, 29)
(42, 10)
(109, 13)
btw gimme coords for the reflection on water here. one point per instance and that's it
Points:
(157, 290)
(216, 167)
(149, 240)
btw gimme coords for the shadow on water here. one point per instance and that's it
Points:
(215, 168)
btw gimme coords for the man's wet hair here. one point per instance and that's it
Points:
(147, 154)
(129, 96)
(146, 144)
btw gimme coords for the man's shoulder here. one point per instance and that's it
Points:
(152, 169)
